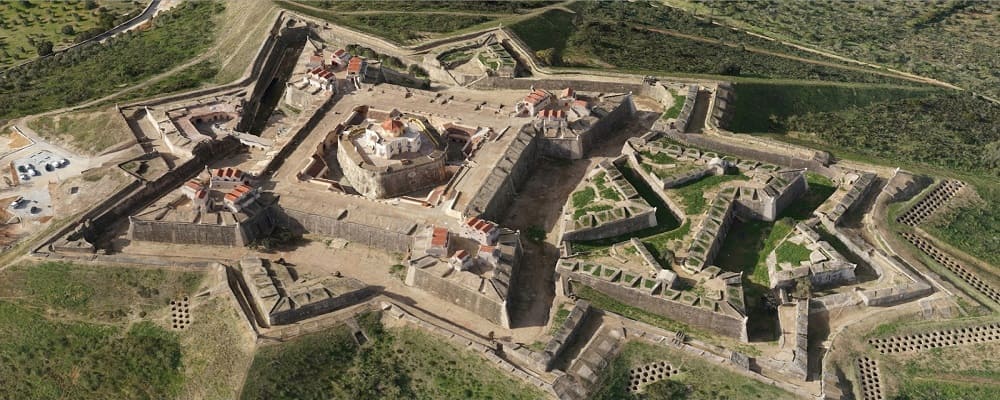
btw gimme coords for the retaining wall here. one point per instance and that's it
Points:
(493, 311)
(337, 226)
(695, 316)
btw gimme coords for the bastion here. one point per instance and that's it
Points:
(388, 154)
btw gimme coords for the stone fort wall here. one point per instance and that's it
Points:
(695, 316)
(577, 147)
(498, 191)
(371, 236)
(391, 181)
(614, 228)
(494, 311)
(238, 235)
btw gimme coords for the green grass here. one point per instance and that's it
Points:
(605, 302)
(765, 107)
(44, 21)
(186, 79)
(547, 33)
(93, 71)
(611, 194)
(107, 294)
(941, 39)
(485, 7)
(579, 212)
(79, 331)
(973, 228)
(584, 197)
(395, 363)
(558, 320)
(89, 131)
(704, 379)
(658, 158)
(820, 189)
(46, 359)
(793, 253)
(390, 26)
(927, 388)
(692, 194)
(675, 109)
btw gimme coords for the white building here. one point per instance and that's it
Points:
(481, 230)
(227, 178)
(390, 138)
(321, 78)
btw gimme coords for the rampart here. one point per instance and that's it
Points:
(649, 295)
(499, 189)
(364, 229)
(566, 334)
(238, 235)
(491, 83)
(493, 309)
(577, 147)
(276, 70)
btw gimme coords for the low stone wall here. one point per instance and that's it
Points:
(784, 156)
(338, 226)
(692, 315)
(614, 228)
(493, 311)
(319, 308)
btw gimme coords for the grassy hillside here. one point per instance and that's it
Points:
(399, 27)
(699, 378)
(648, 37)
(399, 363)
(954, 41)
(765, 107)
(72, 331)
(96, 70)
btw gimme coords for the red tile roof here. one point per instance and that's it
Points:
(439, 237)
(354, 65)
(461, 254)
(567, 92)
(537, 96)
(193, 184)
(480, 224)
(392, 125)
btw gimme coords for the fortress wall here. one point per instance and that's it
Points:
(277, 68)
(566, 334)
(610, 124)
(773, 154)
(299, 136)
(580, 86)
(696, 316)
(498, 192)
(614, 228)
(449, 290)
(371, 236)
(654, 183)
(384, 182)
(132, 202)
(567, 148)
(186, 233)
(322, 307)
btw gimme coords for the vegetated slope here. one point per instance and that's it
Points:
(946, 133)
(398, 27)
(430, 5)
(95, 70)
(75, 331)
(641, 36)
(954, 41)
(953, 131)
(398, 363)
(28, 26)
(765, 107)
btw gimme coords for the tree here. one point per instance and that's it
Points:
(68, 30)
(44, 47)
(90, 4)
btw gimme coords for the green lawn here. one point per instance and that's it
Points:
(703, 379)
(547, 34)
(25, 22)
(793, 253)
(973, 228)
(605, 302)
(93, 71)
(584, 197)
(675, 109)
(692, 194)
(398, 363)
